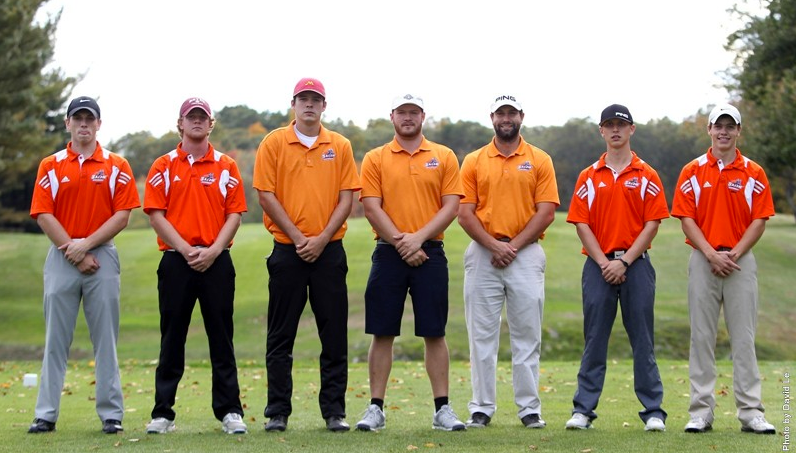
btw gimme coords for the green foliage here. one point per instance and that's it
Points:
(30, 100)
(766, 81)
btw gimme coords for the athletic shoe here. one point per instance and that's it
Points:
(277, 423)
(372, 420)
(111, 426)
(160, 425)
(446, 420)
(759, 425)
(533, 421)
(233, 424)
(654, 424)
(697, 425)
(41, 426)
(337, 424)
(478, 420)
(578, 421)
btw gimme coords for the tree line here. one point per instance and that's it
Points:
(762, 81)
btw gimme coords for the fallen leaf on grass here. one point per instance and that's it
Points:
(429, 445)
(411, 447)
(586, 450)
(533, 447)
(625, 424)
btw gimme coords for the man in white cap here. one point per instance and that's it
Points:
(410, 192)
(723, 200)
(510, 197)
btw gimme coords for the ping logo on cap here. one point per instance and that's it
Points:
(623, 115)
(505, 98)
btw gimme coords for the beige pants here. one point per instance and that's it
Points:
(738, 294)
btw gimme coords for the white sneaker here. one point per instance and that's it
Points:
(654, 424)
(160, 425)
(233, 424)
(698, 425)
(446, 420)
(578, 421)
(373, 420)
(759, 426)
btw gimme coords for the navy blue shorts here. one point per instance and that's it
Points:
(389, 281)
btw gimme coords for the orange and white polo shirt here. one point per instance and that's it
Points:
(723, 198)
(197, 195)
(616, 206)
(83, 193)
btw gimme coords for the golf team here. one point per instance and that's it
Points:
(504, 196)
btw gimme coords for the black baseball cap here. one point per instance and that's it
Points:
(616, 111)
(83, 103)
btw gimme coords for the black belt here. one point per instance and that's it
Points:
(724, 249)
(616, 254)
(433, 244)
(504, 239)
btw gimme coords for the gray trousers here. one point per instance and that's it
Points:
(64, 287)
(706, 294)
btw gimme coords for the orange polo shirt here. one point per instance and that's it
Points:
(306, 181)
(83, 194)
(411, 186)
(723, 199)
(506, 189)
(616, 206)
(196, 195)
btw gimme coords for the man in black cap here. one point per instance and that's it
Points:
(82, 200)
(617, 267)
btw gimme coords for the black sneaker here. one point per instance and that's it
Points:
(337, 424)
(111, 426)
(533, 421)
(478, 420)
(277, 423)
(41, 426)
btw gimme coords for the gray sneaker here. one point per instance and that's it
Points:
(233, 424)
(373, 420)
(160, 425)
(446, 420)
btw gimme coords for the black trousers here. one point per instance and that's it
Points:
(179, 287)
(291, 280)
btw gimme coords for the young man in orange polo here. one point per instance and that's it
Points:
(410, 192)
(305, 175)
(723, 201)
(82, 200)
(510, 198)
(618, 186)
(195, 201)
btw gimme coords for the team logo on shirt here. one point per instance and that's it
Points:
(99, 176)
(525, 166)
(329, 154)
(735, 185)
(433, 163)
(632, 183)
(208, 179)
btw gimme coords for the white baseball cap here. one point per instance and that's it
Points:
(505, 99)
(724, 109)
(407, 99)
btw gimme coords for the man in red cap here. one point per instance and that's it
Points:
(82, 200)
(305, 175)
(194, 200)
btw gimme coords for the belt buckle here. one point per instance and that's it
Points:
(618, 254)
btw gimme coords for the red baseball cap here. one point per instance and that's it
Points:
(309, 84)
(195, 103)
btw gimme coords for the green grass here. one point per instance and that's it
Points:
(22, 327)
(408, 406)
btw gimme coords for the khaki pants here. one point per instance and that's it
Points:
(738, 294)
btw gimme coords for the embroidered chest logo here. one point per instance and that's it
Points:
(632, 183)
(208, 179)
(735, 185)
(432, 164)
(99, 177)
(525, 166)
(329, 154)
